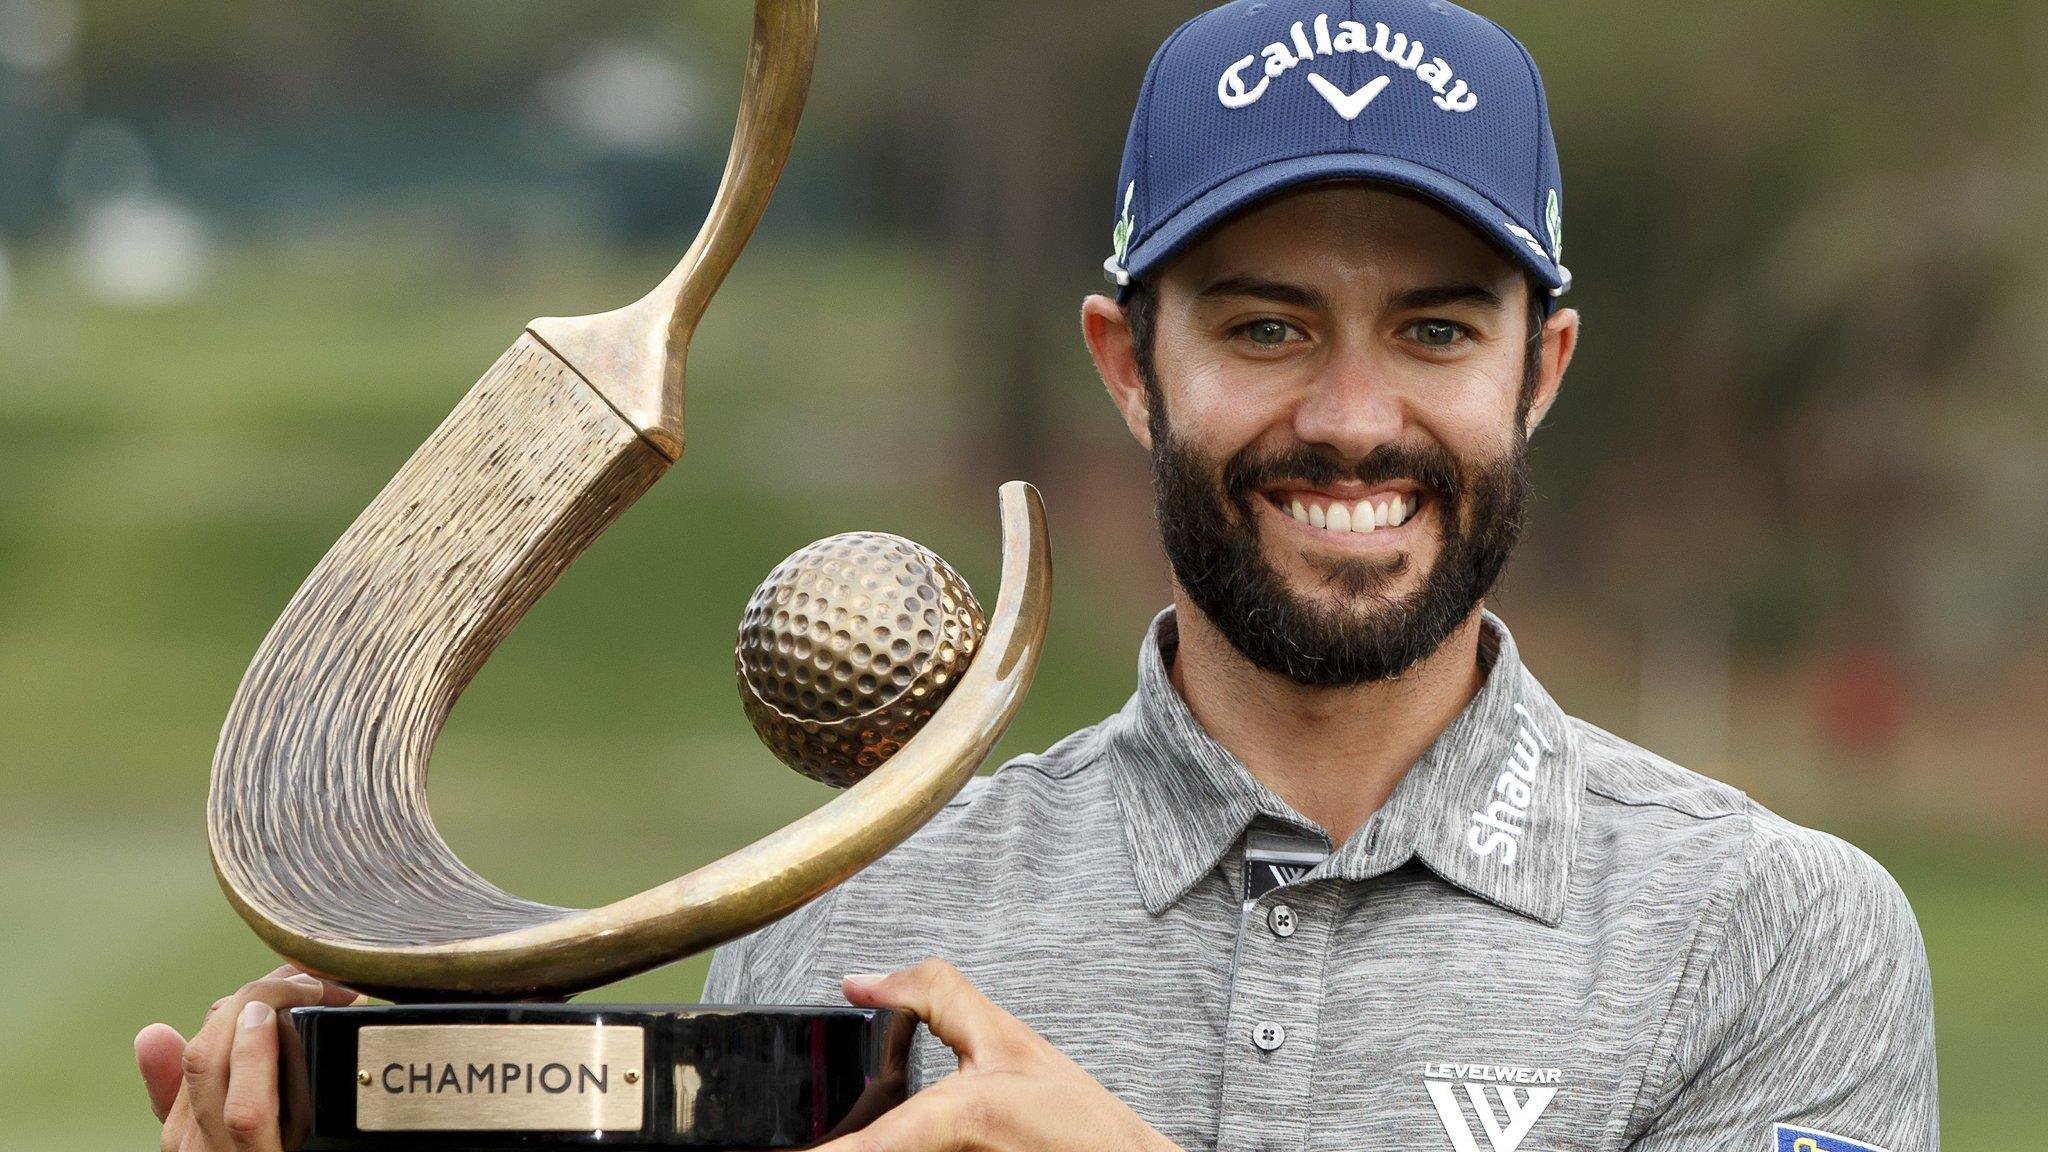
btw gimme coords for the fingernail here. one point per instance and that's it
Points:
(304, 981)
(255, 1014)
(866, 979)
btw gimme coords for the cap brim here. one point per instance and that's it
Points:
(1245, 189)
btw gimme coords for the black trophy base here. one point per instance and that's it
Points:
(498, 1076)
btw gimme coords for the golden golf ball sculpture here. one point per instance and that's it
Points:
(848, 647)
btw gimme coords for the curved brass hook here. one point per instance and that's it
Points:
(634, 355)
(317, 817)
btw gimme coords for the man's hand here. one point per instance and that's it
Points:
(1014, 1090)
(218, 1093)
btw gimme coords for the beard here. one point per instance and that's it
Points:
(1212, 541)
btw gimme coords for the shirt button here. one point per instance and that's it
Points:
(1268, 1036)
(1281, 920)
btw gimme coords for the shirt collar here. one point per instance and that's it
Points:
(1492, 806)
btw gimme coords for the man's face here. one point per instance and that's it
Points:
(1338, 357)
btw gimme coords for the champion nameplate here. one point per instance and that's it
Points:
(499, 1077)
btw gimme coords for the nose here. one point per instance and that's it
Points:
(1349, 406)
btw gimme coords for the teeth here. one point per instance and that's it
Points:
(1364, 516)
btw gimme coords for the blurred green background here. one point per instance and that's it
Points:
(1794, 502)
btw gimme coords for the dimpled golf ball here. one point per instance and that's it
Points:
(848, 647)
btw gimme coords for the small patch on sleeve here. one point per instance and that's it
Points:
(1790, 1139)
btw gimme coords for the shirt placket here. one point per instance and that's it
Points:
(1276, 1012)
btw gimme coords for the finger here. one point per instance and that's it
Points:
(250, 1111)
(208, 1056)
(332, 995)
(177, 1125)
(952, 1007)
(157, 1051)
(931, 1121)
(335, 996)
(206, 1082)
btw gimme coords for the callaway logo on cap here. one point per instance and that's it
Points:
(1261, 95)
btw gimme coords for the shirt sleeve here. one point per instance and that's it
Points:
(1811, 1025)
(779, 964)
(793, 961)
(726, 983)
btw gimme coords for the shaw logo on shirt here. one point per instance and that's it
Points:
(1499, 826)
(1521, 1093)
(1786, 1138)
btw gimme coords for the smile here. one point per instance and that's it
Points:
(1328, 516)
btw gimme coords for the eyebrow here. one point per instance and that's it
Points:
(1259, 288)
(1438, 295)
(1282, 292)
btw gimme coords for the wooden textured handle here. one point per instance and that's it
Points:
(318, 816)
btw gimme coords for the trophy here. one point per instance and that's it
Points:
(863, 661)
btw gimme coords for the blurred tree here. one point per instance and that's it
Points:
(1012, 120)
(1801, 232)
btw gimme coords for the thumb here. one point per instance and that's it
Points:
(953, 1008)
(159, 1053)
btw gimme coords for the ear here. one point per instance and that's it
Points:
(1560, 340)
(1108, 333)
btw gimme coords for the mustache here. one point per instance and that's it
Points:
(1431, 466)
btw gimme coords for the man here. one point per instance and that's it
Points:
(1340, 874)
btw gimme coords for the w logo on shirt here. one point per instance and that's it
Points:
(1285, 874)
(1277, 859)
(1505, 1128)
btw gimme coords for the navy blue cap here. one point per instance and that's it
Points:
(1262, 95)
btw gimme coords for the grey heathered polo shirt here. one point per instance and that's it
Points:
(1547, 939)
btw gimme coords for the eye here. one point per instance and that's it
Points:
(1437, 333)
(1268, 333)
